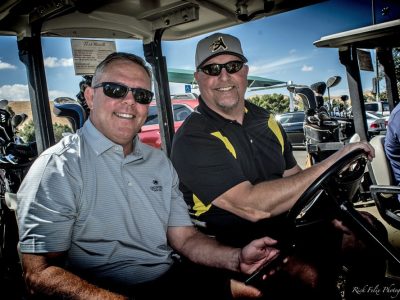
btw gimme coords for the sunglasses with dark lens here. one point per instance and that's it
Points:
(119, 91)
(215, 69)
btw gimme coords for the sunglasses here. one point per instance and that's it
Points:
(215, 69)
(119, 91)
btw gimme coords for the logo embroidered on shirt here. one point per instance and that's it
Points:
(156, 187)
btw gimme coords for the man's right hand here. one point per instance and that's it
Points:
(240, 290)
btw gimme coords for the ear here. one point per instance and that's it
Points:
(246, 69)
(196, 75)
(89, 97)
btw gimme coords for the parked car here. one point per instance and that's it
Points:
(376, 123)
(181, 108)
(292, 123)
(186, 96)
(378, 107)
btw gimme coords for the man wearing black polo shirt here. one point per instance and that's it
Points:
(238, 173)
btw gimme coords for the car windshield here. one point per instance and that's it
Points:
(371, 106)
(180, 111)
(291, 118)
(385, 106)
(373, 115)
(152, 116)
(184, 96)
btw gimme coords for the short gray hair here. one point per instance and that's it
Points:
(119, 56)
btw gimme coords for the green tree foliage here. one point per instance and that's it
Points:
(27, 133)
(275, 103)
(396, 58)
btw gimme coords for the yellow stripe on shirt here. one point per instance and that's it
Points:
(226, 142)
(199, 206)
(273, 125)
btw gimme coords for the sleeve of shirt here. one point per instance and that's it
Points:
(392, 144)
(179, 215)
(204, 165)
(47, 206)
(288, 151)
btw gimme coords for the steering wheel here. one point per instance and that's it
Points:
(339, 183)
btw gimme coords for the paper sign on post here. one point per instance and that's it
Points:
(87, 54)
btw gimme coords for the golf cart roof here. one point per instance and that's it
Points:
(134, 19)
(383, 35)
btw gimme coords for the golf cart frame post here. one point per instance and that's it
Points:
(381, 37)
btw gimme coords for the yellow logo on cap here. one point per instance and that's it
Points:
(218, 44)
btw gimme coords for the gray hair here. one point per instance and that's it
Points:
(119, 56)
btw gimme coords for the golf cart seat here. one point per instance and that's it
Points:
(381, 171)
(383, 191)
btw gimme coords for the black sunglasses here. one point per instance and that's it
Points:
(215, 69)
(119, 91)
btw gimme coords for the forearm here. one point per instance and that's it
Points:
(278, 196)
(204, 250)
(269, 198)
(57, 282)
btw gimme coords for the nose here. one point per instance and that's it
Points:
(223, 74)
(129, 99)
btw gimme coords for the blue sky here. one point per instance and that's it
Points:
(278, 47)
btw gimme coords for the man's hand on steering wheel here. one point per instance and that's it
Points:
(364, 145)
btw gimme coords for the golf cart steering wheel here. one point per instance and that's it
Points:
(339, 183)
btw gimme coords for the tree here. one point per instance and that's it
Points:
(396, 58)
(27, 133)
(275, 103)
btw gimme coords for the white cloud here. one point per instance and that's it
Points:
(15, 92)
(55, 94)
(4, 65)
(54, 62)
(306, 68)
(20, 92)
(292, 51)
(277, 65)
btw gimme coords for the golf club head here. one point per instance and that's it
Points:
(86, 81)
(16, 120)
(24, 117)
(319, 88)
(70, 109)
(332, 81)
(307, 96)
(3, 103)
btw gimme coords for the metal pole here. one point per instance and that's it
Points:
(291, 99)
(376, 55)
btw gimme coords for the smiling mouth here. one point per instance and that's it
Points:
(225, 89)
(124, 116)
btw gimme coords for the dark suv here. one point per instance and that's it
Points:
(293, 123)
